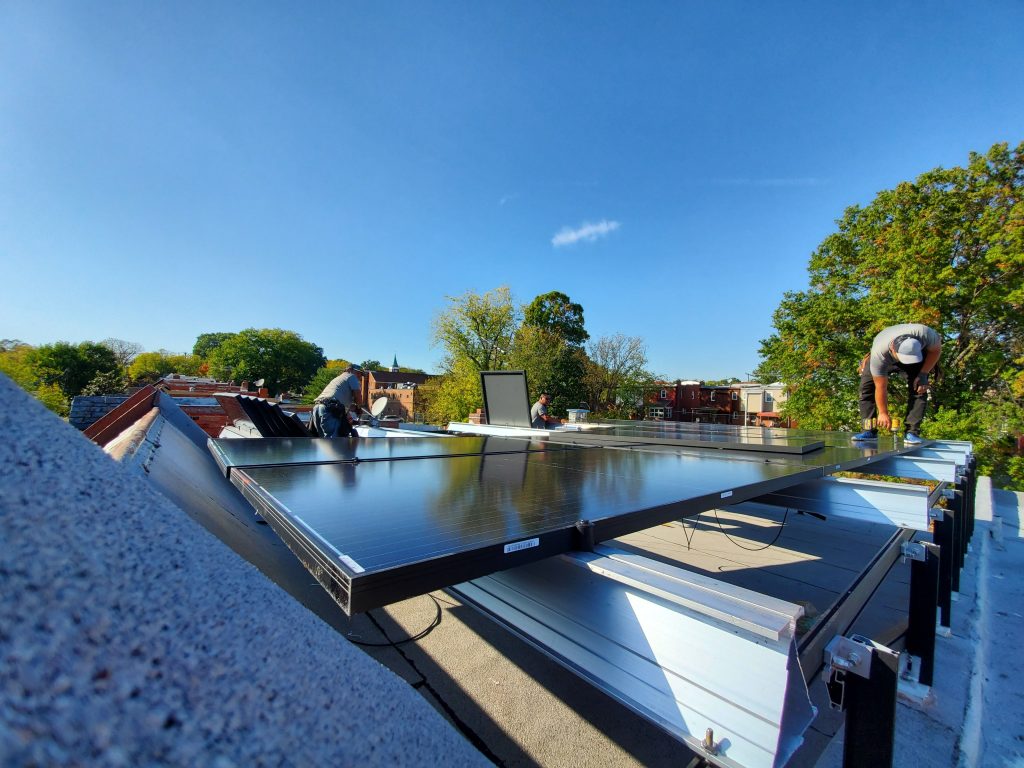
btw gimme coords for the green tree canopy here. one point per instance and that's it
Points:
(946, 250)
(281, 358)
(557, 313)
(16, 362)
(149, 367)
(207, 342)
(477, 328)
(372, 365)
(552, 365)
(70, 367)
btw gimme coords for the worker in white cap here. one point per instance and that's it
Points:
(912, 349)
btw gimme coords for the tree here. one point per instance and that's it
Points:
(551, 366)
(453, 395)
(556, 312)
(281, 358)
(207, 342)
(124, 351)
(946, 250)
(372, 365)
(150, 367)
(71, 366)
(16, 362)
(105, 383)
(477, 329)
(617, 374)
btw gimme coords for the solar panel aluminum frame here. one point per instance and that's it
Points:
(501, 393)
(585, 437)
(357, 591)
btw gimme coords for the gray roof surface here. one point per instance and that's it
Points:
(130, 636)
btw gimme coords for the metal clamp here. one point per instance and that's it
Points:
(843, 656)
(913, 550)
(949, 493)
(936, 513)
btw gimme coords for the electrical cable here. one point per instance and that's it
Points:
(436, 622)
(752, 549)
(693, 530)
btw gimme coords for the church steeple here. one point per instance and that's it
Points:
(394, 364)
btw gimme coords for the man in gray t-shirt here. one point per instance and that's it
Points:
(912, 349)
(539, 416)
(330, 409)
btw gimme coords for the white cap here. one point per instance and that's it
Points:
(909, 351)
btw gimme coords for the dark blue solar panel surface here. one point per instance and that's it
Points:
(232, 453)
(386, 514)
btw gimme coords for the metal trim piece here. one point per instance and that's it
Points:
(898, 504)
(671, 663)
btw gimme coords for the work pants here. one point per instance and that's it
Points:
(915, 403)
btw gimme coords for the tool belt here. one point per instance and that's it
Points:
(333, 406)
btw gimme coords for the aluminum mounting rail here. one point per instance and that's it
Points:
(714, 665)
(899, 504)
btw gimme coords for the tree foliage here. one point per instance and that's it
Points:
(617, 374)
(478, 329)
(16, 362)
(106, 383)
(150, 367)
(557, 313)
(946, 250)
(281, 358)
(70, 367)
(552, 365)
(207, 342)
(453, 395)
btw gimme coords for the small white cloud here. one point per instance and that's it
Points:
(586, 231)
(508, 198)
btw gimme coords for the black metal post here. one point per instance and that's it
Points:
(958, 548)
(871, 712)
(943, 537)
(924, 591)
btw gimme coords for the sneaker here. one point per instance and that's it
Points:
(911, 439)
(867, 434)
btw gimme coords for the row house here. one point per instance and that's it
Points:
(746, 403)
(693, 401)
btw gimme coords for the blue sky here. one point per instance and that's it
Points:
(338, 169)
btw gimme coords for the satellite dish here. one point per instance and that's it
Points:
(378, 406)
(258, 383)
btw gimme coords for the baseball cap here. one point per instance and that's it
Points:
(908, 351)
(354, 367)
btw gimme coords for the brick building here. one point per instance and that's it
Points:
(400, 388)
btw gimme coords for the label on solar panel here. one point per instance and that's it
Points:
(727, 494)
(516, 546)
(352, 564)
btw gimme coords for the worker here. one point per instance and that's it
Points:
(539, 416)
(911, 348)
(330, 409)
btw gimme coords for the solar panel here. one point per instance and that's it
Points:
(235, 454)
(374, 532)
